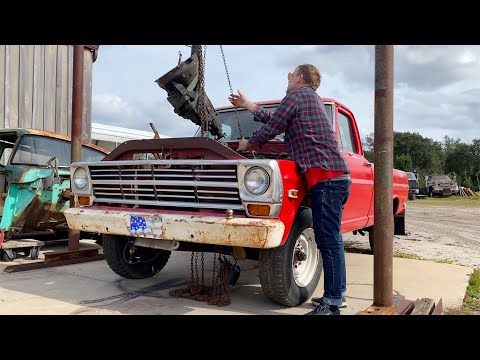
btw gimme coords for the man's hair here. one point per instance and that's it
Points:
(311, 74)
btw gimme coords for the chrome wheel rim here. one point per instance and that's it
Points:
(306, 258)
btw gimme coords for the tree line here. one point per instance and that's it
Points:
(412, 151)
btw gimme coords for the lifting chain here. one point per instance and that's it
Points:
(201, 104)
(231, 91)
(217, 294)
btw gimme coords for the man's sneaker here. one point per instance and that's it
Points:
(319, 300)
(325, 309)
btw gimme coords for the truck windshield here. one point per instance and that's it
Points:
(440, 177)
(228, 118)
(37, 150)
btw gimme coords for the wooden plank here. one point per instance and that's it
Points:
(405, 307)
(87, 95)
(50, 87)
(70, 90)
(438, 308)
(13, 244)
(12, 63)
(38, 86)
(42, 265)
(2, 86)
(68, 255)
(61, 111)
(26, 86)
(423, 306)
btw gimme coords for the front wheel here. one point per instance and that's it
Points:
(289, 274)
(130, 261)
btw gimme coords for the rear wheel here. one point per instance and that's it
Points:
(289, 274)
(131, 261)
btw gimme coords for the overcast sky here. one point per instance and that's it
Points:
(437, 88)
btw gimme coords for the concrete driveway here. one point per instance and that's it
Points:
(93, 288)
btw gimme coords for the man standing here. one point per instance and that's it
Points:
(310, 140)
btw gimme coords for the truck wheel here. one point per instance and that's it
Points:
(34, 253)
(398, 229)
(289, 274)
(130, 261)
(9, 255)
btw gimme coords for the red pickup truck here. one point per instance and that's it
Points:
(151, 197)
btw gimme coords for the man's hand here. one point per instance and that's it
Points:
(241, 100)
(243, 145)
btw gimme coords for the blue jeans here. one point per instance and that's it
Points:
(328, 200)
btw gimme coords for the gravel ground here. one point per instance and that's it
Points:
(438, 229)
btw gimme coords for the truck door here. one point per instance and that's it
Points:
(355, 215)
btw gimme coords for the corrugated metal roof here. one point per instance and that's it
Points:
(120, 134)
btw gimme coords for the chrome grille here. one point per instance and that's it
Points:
(165, 183)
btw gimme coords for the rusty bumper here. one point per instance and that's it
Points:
(244, 232)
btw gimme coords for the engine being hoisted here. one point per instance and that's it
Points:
(183, 87)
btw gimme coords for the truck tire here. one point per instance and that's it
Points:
(141, 264)
(285, 278)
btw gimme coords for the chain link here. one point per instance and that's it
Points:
(231, 91)
(203, 270)
(191, 265)
(196, 266)
(201, 103)
(214, 266)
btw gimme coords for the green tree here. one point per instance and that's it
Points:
(403, 162)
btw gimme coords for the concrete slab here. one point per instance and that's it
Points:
(93, 288)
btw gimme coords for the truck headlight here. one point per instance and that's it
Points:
(256, 181)
(80, 178)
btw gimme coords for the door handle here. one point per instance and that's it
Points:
(367, 163)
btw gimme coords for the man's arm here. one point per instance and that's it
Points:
(278, 121)
(261, 114)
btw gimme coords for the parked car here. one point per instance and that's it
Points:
(441, 185)
(34, 186)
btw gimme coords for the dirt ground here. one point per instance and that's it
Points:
(442, 229)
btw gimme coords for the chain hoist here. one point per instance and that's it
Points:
(231, 91)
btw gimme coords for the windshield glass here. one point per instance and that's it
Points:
(440, 177)
(411, 176)
(228, 118)
(37, 150)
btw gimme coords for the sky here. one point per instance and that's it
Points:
(436, 87)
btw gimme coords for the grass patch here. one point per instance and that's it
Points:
(403, 255)
(471, 302)
(450, 201)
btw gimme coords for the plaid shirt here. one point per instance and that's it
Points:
(309, 136)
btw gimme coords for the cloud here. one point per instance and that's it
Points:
(111, 109)
(416, 66)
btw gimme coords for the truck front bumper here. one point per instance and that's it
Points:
(244, 232)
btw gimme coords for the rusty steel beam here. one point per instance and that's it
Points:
(77, 124)
(383, 179)
(69, 255)
(42, 265)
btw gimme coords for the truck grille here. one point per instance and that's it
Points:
(166, 183)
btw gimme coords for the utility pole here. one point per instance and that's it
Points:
(77, 125)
